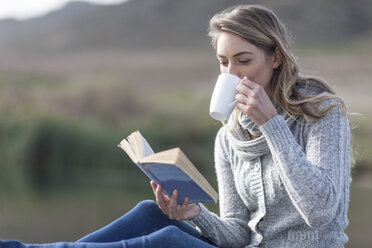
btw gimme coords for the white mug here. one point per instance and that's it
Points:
(223, 97)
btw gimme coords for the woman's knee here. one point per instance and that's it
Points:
(145, 209)
(176, 237)
(170, 236)
(146, 205)
(11, 244)
(148, 209)
(173, 232)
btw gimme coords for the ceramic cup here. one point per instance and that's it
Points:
(223, 98)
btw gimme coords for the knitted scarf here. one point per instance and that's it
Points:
(245, 147)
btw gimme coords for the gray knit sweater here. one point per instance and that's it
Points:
(287, 188)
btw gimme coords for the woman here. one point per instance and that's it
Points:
(282, 160)
(283, 164)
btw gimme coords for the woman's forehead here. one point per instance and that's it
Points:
(230, 44)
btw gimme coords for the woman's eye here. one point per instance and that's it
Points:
(224, 63)
(244, 61)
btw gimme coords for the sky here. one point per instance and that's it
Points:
(25, 9)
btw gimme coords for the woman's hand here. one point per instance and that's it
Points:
(170, 207)
(253, 101)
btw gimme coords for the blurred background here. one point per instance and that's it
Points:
(78, 77)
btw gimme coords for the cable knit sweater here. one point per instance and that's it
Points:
(287, 188)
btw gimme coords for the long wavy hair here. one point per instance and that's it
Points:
(262, 28)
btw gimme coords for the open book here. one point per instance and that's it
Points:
(170, 168)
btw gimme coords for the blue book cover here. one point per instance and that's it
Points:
(171, 178)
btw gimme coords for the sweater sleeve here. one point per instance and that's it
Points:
(230, 229)
(315, 179)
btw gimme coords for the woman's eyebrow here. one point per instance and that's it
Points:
(235, 55)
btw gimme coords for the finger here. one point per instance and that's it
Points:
(182, 209)
(153, 185)
(159, 194)
(166, 199)
(245, 100)
(162, 195)
(172, 205)
(248, 109)
(246, 90)
(240, 98)
(180, 212)
(250, 84)
(160, 199)
(185, 202)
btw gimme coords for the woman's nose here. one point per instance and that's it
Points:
(232, 70)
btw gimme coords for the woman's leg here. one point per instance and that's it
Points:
(170, 236)
(17, 244)
(144, 218)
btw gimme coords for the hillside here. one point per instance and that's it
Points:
(164, 23)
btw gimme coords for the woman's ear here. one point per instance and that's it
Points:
(277, 56)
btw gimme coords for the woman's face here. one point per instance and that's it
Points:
(241, 58)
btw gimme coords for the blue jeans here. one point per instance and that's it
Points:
(143, 226)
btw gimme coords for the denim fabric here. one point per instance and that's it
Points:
(143, 226)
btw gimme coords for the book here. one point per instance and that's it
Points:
(171, 168)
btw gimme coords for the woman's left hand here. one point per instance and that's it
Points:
(253, 101)
(170, 207)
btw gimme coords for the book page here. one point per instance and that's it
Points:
(146, 149)
(124, 144)
(134, 144)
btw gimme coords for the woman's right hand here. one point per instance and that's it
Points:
(170, 207)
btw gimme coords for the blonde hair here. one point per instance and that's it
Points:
(262, 28)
